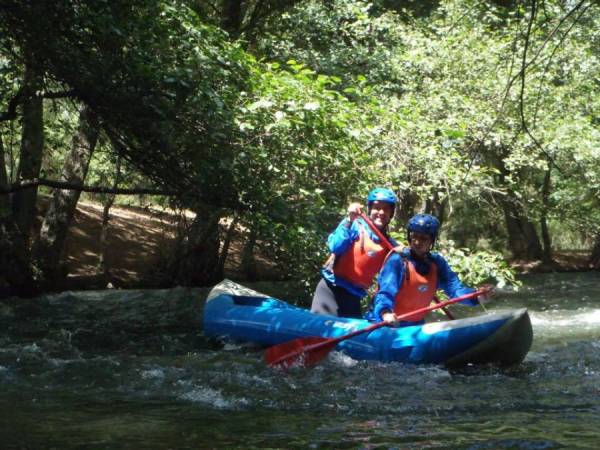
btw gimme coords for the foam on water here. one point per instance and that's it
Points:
(213, 398)
(565, 318)
(153, 374)
(342, 359)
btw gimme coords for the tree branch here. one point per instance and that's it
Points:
(524, 66)
(11, 111)
(28, 184)
(60, 94)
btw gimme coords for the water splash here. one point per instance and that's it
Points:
(212, 398)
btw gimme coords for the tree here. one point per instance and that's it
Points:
(187, 108)
(53, 232)
(32, 143)
(14, 255)
(241, 18)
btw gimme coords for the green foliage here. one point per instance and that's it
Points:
(344, 38)
(301, 140)
(451, 137)
(162, 83)
(10, 74)
(303, 152)
(339, 96)
(456, 138)
(277, 145)
(478, 267)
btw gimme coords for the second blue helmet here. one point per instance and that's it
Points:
(424, 223)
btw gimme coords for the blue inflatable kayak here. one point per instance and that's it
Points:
(237, 313)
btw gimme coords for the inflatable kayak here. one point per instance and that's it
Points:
(238, 313)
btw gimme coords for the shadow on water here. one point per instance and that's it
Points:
(172, 388)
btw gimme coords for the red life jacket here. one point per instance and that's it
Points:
(416, 292)
(361, 262)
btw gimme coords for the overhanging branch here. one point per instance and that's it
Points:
(29, 184)
(70, 93)
(11, 110)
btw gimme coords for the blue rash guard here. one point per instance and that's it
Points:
(339, 242)
(392, 275)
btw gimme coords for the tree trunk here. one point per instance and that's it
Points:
(546, 239)
(435, 207)
(103, 264)
(220, 271)
(523, 240)
(196, 263)
(406, 207)
(14, 256)
(594, 262)
(248, 259)
(53, 233)
(231, 20)
(32, 143)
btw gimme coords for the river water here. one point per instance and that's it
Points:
(187, 392)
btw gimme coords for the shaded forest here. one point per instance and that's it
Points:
(265, 118)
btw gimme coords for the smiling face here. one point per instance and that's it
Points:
(380, 213)
(420, 243)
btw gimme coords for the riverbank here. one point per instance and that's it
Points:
(140, 240)
(564, 261)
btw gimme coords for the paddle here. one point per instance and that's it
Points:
(387, 244)
(309, 351)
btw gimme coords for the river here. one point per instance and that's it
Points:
(181, 391)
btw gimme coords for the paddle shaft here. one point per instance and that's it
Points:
(311, 350)
(387, 244)
(448, 313)
(406, 315)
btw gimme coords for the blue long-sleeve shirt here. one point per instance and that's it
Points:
(339, 242)
(392, 275)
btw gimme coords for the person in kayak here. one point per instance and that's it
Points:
(409, 279)
(356, 256)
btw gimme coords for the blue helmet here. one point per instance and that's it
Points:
(383, 195)
(424, 223)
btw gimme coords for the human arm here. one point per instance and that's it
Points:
(449, 282)
(340, 240)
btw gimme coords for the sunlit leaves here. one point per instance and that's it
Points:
(477, 267)
(303, 155)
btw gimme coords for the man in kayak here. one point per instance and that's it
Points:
(356, 256)
(409, 279)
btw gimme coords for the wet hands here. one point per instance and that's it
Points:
(388, 317)
(486, 294)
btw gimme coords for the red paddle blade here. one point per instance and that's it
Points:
(301, 352)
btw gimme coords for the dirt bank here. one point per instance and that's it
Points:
(140, 239)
